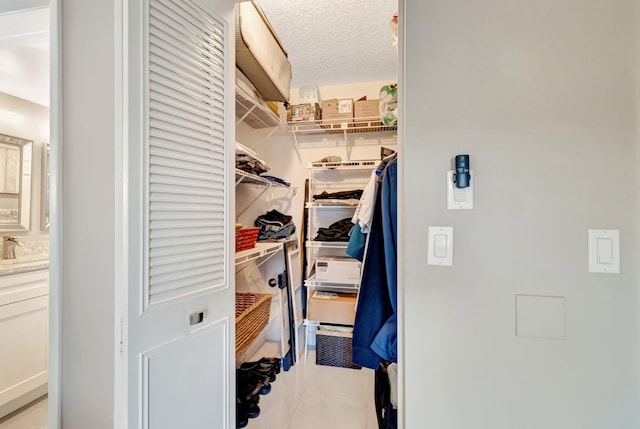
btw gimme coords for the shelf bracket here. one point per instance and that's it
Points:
(267, 187)
(272, 132)
(296, 146)
(239, 121)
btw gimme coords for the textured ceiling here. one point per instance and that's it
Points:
(328, 41)
(335, 41)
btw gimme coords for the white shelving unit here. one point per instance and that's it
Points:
(261, 250)
(255, 112)
(330, 177)
(339, 126)
(355, 132)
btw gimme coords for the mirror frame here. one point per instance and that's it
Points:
(24, 195)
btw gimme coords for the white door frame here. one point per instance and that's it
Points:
(55, 231)
(401, 209)
(55, 214)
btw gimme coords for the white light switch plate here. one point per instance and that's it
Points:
(440, 242)
(604, 251)
(459, 199)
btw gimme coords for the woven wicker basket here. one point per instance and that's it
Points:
(334, 349)
(252, 316)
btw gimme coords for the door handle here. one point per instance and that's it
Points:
(195, 318)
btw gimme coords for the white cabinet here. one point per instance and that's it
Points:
(24, 330)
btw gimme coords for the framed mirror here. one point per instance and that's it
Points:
(46, 174)
(15, 183)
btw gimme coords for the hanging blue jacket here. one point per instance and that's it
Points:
(375, 328)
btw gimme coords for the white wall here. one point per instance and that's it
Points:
(541, 95)
(34, 127)
(88, 154)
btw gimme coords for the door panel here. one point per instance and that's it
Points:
(24, 339)
(180, 322)
(168, 371)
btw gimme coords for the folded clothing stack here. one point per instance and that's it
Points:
(275, 225)
(337, 231)
(342, 195)
(250, 165)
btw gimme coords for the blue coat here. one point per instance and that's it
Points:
(375, 329)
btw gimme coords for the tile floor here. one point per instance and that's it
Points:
(312, 396)
(307, 396)
(33, 417)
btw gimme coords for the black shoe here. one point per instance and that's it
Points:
(269, 372)
(251, 410)
(265, 363)
(242, 420)
(247, 391)
(254, 379)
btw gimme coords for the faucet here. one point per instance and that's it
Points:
(9, 247)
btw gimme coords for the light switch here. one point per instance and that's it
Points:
(604, 251)
(440, 250)
(459, 199)
(440, 242)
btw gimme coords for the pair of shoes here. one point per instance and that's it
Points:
(264, 364)
(271, 361)
(244, 412)
(258, 368)
(249, 383)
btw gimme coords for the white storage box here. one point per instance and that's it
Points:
(259, 53)
(334, 269)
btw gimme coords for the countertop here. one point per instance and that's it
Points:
(9, 267)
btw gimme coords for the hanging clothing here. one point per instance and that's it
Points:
(363, 216)
(375, 328)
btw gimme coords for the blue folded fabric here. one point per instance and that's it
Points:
(276, 180)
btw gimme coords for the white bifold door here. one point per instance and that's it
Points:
(179, 327)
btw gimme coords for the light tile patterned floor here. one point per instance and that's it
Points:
(33, 417)
(312, 396)
(308, 396)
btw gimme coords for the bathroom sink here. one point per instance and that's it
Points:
(14, 266)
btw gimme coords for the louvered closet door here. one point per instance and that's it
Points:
(181, 303)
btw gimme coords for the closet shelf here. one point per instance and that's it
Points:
(252, 179)
(333, 204)
(344, 165)
(261, 250)
(339, 126)
(328, 244)
(311, 282)
(254, 112)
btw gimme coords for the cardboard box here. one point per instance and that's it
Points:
(340, 270)
(309, 94)
(338, 109)
(331, 307)
(304, 112)
(367, 108)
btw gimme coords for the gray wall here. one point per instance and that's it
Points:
(88, 213)
(542, 96)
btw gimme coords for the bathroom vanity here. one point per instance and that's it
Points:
(24, 304)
